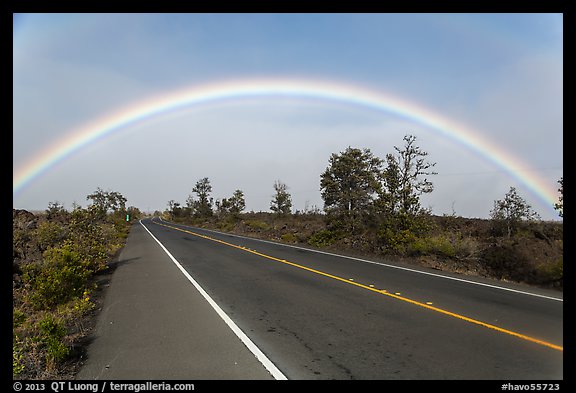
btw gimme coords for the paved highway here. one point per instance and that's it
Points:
(313, 315)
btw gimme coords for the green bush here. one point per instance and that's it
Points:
(93, 239)
(323, 238)
(228, 223)
(436, 245)
(257, 225)
(60, 277)
(18, 353)
(52, 331)
(289, 238)
(49, 234)
(399, 233)
(226, 226)
(396, 241)
(553, 272)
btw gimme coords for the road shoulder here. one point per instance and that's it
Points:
(155, 325)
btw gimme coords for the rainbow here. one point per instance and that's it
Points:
(309, 89)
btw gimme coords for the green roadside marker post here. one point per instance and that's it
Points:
(127, 217)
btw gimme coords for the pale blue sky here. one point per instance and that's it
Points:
(500, 74)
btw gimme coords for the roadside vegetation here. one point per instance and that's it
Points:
(57, 256)
(372, 208)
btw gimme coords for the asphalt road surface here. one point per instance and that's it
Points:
(191, 303)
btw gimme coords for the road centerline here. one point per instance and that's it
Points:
(424, 305)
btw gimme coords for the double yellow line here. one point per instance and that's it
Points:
(372, 289)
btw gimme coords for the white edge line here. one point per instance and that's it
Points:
(267, 363)
(384, 264)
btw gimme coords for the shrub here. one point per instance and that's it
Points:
(443, 246)
(503, 260)
(226, 226)
(466, 247)
(396, 241)
(18, 352)
(289, 238)
(60, 277)
(52, 331)
(399, 231)
(91, 238)
(20, 239)
(552, 273)
(436, 245)
(82, 305)
(257, 225)
(323, 238)
(49, 234)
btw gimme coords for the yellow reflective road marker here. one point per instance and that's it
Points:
(427, 305)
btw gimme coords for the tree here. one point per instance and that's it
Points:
(403, 181)
(174, 209)
(510, 212)
(350, 184)
(282, 200)
(104, 201)
(222, 206)
(99, 201)
(233, 205)
(203, 206)
(560, 205)
(116, 201)
(237, 202)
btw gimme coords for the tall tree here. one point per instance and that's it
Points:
(405, 179)
(237, 202)
(282, 200)
(350, 184)
(203, 206)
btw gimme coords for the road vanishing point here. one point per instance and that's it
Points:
(190, 303)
